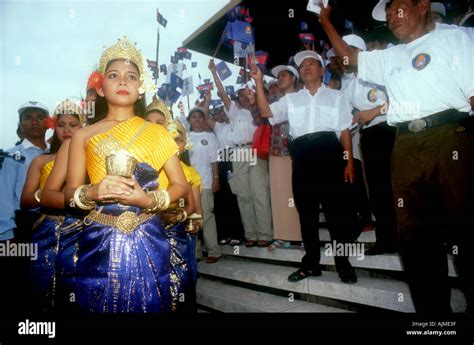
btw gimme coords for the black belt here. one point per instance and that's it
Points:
(312, 136)
(243, 144)
(434, 120)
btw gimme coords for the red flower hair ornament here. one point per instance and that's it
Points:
(95, 81)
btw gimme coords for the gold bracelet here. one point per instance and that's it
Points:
(38, 196)
(161, 201)
(81, 200)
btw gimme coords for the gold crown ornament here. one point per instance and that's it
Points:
(120, 163)
(126, 50)
(176, 128)
(68, 107)
(158, 105)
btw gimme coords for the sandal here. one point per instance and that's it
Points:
(276, 244)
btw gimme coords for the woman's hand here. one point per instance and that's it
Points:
(110, 185)
(124, 191)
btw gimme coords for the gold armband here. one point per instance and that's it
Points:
(80, 198)
(160, 201)
(38, 196)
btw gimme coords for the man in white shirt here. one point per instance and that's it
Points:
(376, 143)
(318, 117)
(250, 182)
(203, 157)
(428, 78)
(14, 270)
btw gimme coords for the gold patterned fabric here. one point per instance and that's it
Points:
(45, 171)
(153, 146)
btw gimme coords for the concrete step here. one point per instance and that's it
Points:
(388, 262)
(365, 237)
(228, 298)
(375, 292)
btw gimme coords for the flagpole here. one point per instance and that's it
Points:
(157, 52)
(189, 108)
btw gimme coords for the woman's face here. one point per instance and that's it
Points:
(121, 83)
(196, 120)
(67, 126)
(156, 117)
(181, 142)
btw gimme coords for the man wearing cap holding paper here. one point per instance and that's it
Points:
(318, 116)
(250, 181)
(369, 101)
(428, 78)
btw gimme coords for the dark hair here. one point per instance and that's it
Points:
(184, 157)
(194, 111)
(55, 143)
(102, 109)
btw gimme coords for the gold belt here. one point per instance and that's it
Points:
(126, 222)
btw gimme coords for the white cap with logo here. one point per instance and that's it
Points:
(355, 41)
(33, 105)
(307, 54)
(288, 68)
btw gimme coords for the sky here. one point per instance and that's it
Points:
(49, 47)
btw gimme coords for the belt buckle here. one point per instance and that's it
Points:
(417, 125)
(127, 222)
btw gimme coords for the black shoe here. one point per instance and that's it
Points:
(348, 276)
(302, 274)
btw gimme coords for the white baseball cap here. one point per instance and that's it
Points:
(288, 68)
(33, 105)
(378, 13)
(330, 53)
(438, 7)
(307, 54)
(355, 41)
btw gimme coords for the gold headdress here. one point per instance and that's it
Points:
(126, 50)
(176, 128)
(68, 107)
(158, 105)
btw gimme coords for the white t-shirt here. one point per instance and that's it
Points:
(242, 124)
(224, 133)
(326, 110)
(430, 74)
(468, 31)
(364, 96)
(203, 153)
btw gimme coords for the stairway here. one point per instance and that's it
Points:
(255, 280)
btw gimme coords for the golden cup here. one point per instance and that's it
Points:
(120, 163)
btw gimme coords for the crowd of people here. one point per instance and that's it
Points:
(121, 205)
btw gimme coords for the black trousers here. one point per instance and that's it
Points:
(377, 145)
(433, 185)
(226, 208)
(359, 199)
(318, 177)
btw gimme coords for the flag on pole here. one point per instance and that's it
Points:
(153, 66)
(173, 95)
(223, 71)
(187, 86)
(160, 19)
(306, 38)
(304, 26)
(176, 81)
(163, 69)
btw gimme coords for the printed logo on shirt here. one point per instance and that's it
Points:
(421, 61)
(372, 95)
(204, 142)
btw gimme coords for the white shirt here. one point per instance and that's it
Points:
(224, 133)
(203, 153)
(364, 96)
(242, 124)
(346, 79)
(326, 110)
(444, 81)
(468, 31)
